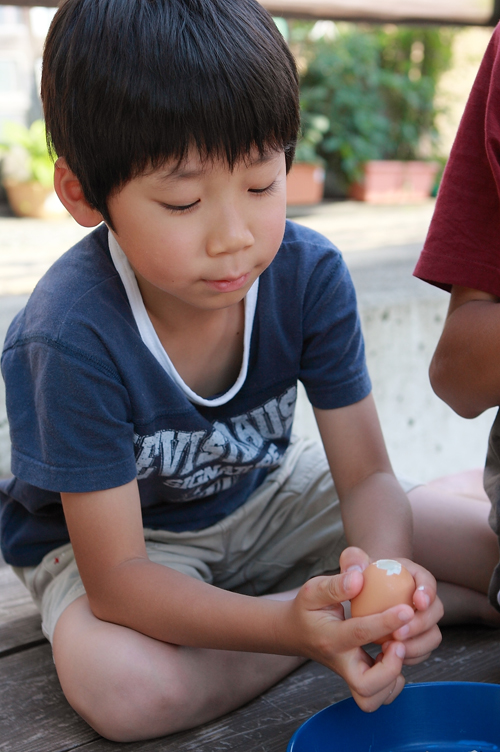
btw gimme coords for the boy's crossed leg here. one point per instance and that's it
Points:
(128, 686)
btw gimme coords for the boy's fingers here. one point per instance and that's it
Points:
(425, 591)
(384, 697)
(420, 647)
(421, 598)
(326, 591)
(381, 683)
(423, 622)
(399, 685)
(362, 630)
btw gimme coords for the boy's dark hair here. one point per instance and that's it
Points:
(128, 84)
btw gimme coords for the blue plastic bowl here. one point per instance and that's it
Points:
(430, 717)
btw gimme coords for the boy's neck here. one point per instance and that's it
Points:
(205, 346)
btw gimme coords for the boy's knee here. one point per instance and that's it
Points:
(132, 717)
(125, 685)
(124, 704)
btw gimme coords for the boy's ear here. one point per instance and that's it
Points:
(69, 190)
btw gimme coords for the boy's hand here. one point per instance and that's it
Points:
(420, 636)
(325, 636)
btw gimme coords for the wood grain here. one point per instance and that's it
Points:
(34, 716)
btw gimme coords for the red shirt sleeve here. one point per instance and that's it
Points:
(463, 242)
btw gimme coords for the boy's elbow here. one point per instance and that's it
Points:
(110, 598)
(446, 386)
(107, 603)
(102, 609)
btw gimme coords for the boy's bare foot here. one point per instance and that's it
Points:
(467, 483)
(465, 606)
(453, 540)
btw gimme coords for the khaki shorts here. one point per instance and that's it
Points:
(288, 531)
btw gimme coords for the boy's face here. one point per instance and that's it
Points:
(199, 234)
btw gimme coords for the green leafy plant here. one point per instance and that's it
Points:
(376, 86)
(313, 129)
(24, 153)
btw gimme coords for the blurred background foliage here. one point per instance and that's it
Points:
(24, 154)
(368, 92)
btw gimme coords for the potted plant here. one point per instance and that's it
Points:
(28, 171)
(376, 86)
(305, 181)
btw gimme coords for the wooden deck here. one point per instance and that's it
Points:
(35, 717)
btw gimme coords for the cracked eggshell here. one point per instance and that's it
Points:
(387, 583)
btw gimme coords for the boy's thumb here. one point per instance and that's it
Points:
(325, 591)
(353, 558)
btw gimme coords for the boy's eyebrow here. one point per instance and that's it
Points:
(181, 171)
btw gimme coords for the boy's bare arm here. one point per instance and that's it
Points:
(125, 588)
(375, 510)
(465, 369)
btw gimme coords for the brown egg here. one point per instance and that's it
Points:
(386, 583)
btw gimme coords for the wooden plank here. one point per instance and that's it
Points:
(20, 635)
(28, 4)
(19, 617)
(34, 716)
(437, 11)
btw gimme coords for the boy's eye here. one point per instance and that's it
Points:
(178, 209)
(261, 191)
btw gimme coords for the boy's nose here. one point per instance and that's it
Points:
(229, 233)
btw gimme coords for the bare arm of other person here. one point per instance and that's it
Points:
(465, 369)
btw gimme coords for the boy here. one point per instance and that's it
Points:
(461, 254)
(151, 384)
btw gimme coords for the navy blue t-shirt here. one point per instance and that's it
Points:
(91, 408)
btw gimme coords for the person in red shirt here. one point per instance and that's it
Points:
(462, 255)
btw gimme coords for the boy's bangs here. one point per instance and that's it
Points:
(132, 83)
(229, 130)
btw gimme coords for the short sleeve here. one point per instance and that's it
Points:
(69, 418)
(463, 242)
(333, 367)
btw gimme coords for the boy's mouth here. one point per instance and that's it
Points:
(228, 285)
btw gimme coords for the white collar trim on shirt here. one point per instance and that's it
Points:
(152, 341)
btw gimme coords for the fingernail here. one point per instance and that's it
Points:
(354, 568)
(400, 651)
(403, 632)
(404, 616)
(347, 581)
(426, 597)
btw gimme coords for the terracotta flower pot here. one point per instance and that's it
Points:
(395, 182)
(305, 183)
(33, 200)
